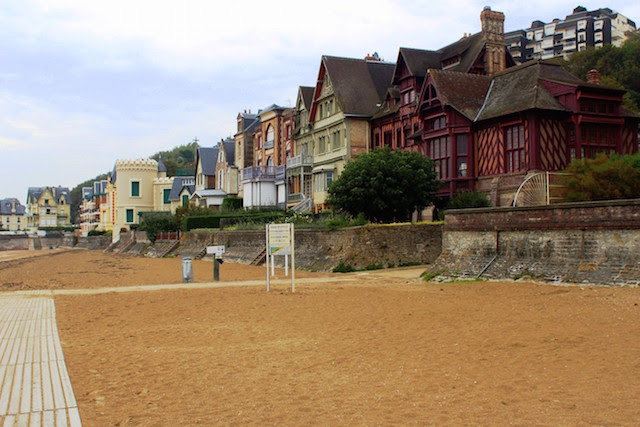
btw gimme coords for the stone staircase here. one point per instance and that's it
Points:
(260, 259)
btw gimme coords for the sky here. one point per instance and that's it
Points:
(85, 83)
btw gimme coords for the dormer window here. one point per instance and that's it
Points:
(450, 62)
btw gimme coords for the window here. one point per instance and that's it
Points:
(387, 139)
(514, 148)
(320, 110)
(439, 149)
(270, 137)
(336, 140)
(582, 37)
(598, 25)
(329, 179)
(597, 139)
(185, 200)
(322, 145)
(135, 188)
(48, 211)
(437, 123)
(461, 146)
(129, 216)
(582, 25)
(165, 196)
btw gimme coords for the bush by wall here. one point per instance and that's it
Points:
(213, 220)
(231, 204)
(156, 222)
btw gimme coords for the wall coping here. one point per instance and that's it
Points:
(555, 206)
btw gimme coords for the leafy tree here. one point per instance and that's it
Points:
(385, 186)
(182, 156)
(604, 178)
(619, 67)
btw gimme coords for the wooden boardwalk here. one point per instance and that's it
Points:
(34, 384)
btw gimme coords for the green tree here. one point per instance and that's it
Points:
(385, 185)
(604, 178)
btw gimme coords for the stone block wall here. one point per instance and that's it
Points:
(596, 242)
(14, 243)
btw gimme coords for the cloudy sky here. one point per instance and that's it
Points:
(84, 83)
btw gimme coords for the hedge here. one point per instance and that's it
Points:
(213, 221)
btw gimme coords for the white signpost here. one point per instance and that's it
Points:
(280, 241)
(215, 250)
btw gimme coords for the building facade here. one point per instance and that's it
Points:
(576, 32)
(48, 207)
(346, 96)
(134, 181)
(299, 166)
(12, 215)
(489, 133)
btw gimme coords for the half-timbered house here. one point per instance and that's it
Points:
(488, 133)
(396, 123)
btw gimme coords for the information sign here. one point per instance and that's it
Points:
(215, 250)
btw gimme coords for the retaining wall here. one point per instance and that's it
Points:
(595, 242)
(322, 250)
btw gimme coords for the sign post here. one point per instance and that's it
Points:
(280, 241)
(216, 251)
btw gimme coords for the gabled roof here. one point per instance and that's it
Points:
(462, 91)
(5, 207)
(208, 157)
(358, 85)
(306, 92)
(418, 61)
(518, 89)
(468, 48)
(34, 193)
(178, 185)
(229, 151)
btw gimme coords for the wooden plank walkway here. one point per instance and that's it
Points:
(35, 389)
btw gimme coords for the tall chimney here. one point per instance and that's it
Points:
(495, 59)
(593, 77)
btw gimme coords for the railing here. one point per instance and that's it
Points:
(256, 172)
(268, 144)
(301, 160)
(280, 172)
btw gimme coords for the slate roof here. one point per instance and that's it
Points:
(358, 85)
(161, 166)
(5, 207)
(229, 151)
(462, 91)
(34, 193)
(208, 157)
(419, 60)
(307, 96)
(517, 89)
(178, 185)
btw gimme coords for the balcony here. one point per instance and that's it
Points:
(268, 144)
(301, 160)
(280, 172)
(258, 172)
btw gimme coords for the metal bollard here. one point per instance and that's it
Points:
(187, 269)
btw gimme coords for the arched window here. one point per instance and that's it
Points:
(270, 137)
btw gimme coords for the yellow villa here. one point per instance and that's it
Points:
(48, 207)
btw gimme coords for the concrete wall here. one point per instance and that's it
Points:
(596, 242)
(322, 250)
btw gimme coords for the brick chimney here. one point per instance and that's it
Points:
(593, 77)
(495, 59)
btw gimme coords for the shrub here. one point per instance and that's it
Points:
(96, 233)
(213, 220)
(603, 177)
(156, 222)
(230, 204)
(469, 199)
(343, 268)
